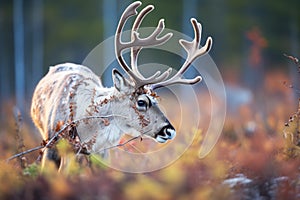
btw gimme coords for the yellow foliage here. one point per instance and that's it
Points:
(291, 134)
(117, 175)
(97, 161)
(145, 187)
(191, 155)
(172, 176)
(198, 135)
(60, 186)
(219, 170)
(69, 164)
(9, 179)
(217, 167)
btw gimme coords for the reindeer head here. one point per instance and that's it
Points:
(141, 90)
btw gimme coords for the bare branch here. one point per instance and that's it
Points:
(75, 122)
(120, 145)
(56, 137)
(24, 153)
(294, 59)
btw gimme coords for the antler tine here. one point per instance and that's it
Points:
(157, 77)
(135, 50)
(193, 52)
(137, 43)
(119, 45)
(192, 48)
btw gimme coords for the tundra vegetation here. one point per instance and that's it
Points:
(246, 163)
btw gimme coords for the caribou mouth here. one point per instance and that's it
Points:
(165, 134)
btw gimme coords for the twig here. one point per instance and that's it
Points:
(40, 147)
(120, 145)
(294, 59)
(18, 136)
(24, 152)
(291, 86)
(72, 123)
(43, 147)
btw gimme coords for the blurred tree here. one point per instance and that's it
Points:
(189, 10)
(254, 58)
(294, 50)
(109, 14)
(37, 44)
(19, 52)
(4, 88)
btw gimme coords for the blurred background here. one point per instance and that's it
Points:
(250, 38)
(262, 85)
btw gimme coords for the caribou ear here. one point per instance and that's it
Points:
(120, 83)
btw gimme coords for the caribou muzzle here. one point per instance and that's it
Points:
(166, 133)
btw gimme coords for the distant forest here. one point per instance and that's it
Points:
(35, 34)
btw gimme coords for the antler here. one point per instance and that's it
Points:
(137, 43)
(193, 52)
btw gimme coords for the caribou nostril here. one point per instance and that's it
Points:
(171, 133)
(166, 133)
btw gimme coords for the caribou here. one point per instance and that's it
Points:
(72, 94)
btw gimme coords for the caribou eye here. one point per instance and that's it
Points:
(142, 103)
